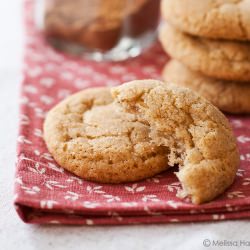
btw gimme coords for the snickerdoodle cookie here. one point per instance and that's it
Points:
(92, 137)
(227, 19)
(215, 58)
(196, 135)
(233, 97)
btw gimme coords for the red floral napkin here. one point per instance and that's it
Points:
(46, 193)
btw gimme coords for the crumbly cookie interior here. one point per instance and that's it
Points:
(197, 135)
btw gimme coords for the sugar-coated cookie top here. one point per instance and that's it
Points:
(92, 137)
(226, 19)
(197, 134)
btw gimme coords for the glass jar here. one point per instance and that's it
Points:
(100, 29)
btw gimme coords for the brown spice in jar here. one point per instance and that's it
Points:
(99, 24)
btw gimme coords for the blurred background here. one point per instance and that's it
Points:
(11, 41)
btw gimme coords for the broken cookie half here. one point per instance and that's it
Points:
(196, 135)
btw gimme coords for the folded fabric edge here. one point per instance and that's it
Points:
(36, 216)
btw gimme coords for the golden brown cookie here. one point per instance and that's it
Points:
(219, 59)
(196, 134)
(93, 138)
(232, 97)
(227, 19)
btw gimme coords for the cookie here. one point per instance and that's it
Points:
(215, 58)
(93, 138)
(196, 134)
(232, 97)
(220, 19)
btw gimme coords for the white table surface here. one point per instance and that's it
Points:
(14, 234)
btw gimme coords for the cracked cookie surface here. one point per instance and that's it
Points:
(90, 136)
(198, 136)
(232, 97)
(215, 58)
(220, 19)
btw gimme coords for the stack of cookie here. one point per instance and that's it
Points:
(209, 42)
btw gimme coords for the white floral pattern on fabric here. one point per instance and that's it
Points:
(42, 185)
